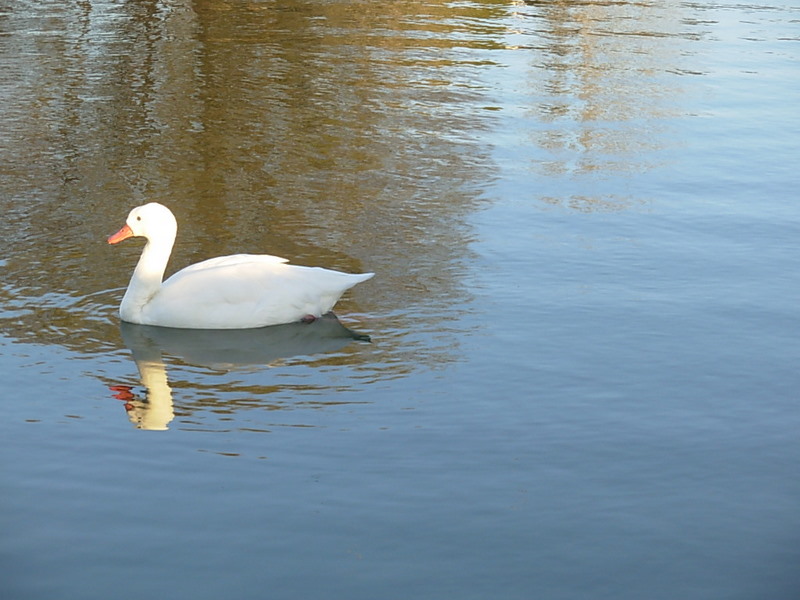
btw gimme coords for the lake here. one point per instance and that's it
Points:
(581, 378)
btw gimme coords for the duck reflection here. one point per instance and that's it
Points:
(222, 349)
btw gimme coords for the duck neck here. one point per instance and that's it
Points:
(146, 279)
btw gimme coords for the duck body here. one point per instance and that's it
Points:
(241, 291)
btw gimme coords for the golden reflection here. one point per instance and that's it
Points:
(331, 136)
(220, 351)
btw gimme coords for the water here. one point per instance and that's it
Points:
(583, 369)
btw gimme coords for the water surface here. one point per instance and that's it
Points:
(582, 374)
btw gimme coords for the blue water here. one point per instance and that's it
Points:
(582, 375)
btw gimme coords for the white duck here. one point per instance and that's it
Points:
(230, 292)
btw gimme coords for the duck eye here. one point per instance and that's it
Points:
(138, 218)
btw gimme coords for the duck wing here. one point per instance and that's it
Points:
(245, 291)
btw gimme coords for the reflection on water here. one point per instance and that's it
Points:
(358, 140)
(600, 94)
(220, 350)
(335, 137)
(531, 369)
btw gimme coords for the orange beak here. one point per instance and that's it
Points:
(122, 234)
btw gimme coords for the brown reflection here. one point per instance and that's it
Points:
(332, 136)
